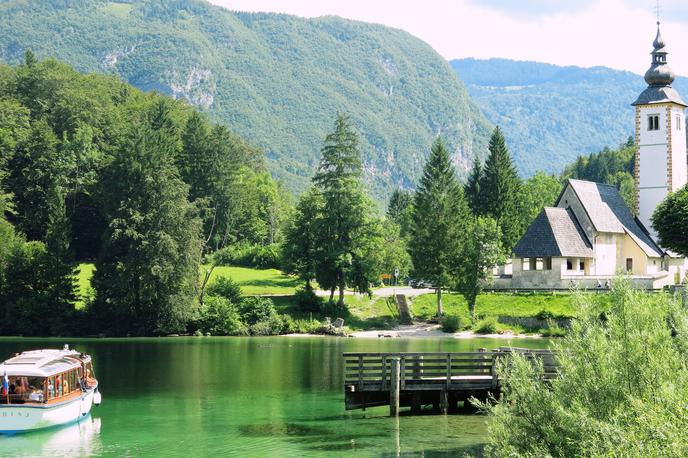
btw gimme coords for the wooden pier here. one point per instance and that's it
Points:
(414, 380)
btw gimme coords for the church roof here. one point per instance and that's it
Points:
(555, 232)
(663, 94)
(608, 212)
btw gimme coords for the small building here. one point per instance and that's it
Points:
(585, 240)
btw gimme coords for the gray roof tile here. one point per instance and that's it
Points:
(659, 94)
(609, 213)
(555, 232)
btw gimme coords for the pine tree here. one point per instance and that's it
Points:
(301, 238)
(499, 191)
(60, 268)
(194, 161)
(36, 169)
(345, 224)
(440, 212)
(399, 210)
(147, 271)
(472, 187)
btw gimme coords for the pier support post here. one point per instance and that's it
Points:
(444, 401)
(416, 407)
(394, 387)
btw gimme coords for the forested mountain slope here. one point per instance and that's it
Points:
(276, 80)
(551, 114)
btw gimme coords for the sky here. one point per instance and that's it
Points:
(612, 33)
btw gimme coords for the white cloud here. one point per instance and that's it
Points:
(613, 33)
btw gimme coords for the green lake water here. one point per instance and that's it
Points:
(269, 396)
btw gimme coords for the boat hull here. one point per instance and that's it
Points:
(18, 418)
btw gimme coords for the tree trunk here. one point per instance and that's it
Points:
(340, 303)
(332, 294)
(439, 302)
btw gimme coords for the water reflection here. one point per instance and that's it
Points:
(271, 396)
(77, 439)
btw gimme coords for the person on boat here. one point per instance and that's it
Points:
(19, 386)
(88, 380)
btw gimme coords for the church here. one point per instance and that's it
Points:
(590, 234)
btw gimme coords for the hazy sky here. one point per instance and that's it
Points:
(614, 33)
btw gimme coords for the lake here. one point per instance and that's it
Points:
(243, 396)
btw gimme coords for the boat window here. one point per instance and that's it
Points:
(24, 389)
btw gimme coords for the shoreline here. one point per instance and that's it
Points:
(422, 331)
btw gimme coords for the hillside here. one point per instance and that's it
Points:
(551, 114)
(276, 80)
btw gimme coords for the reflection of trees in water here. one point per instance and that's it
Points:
(77, 439)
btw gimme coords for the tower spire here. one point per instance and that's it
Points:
(659, 74)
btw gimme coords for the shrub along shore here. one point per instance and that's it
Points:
(285, 309)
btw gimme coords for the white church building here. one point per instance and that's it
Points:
(591, 234)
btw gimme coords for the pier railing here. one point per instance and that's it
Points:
(372, 379)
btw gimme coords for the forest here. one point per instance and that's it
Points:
(156, 196)
(92, 169)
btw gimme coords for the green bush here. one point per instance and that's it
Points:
(308, 301)
(451, 323)
(487, 325)
(255, 256)
(255, 309)
(553, 330)
(544, 315)
(308, 326)
(270, 326)
(219, 317)
(225, 287)
(621, 387)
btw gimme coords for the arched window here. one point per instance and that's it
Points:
(653, 122)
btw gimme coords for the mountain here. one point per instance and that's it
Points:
(276, 80)
(552, 114)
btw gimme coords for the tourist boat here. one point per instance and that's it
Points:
(44, 388)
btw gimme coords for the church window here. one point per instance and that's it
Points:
(548, 263)
(678, 122)
(629, 264)
(569, 264)
(581, 265)
(653, 122)
(526, 263)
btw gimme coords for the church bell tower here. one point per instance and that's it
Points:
(660, 158)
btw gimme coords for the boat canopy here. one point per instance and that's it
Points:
(43, 363)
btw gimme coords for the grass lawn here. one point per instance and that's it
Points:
(83, 280)
(495, 304)
(369, 313)
(253, 282)
(258, 282)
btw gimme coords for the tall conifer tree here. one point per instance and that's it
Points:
(60, 268)
(440, 212)
(472, 187)
(399, 210)
(301, 238)
(148, 267)
(345, 224)
(499, 190)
